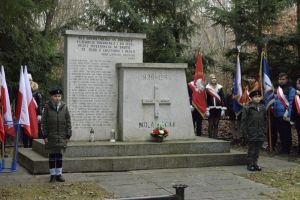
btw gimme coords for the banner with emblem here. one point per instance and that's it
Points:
(199, 96)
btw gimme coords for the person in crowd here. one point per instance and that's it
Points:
(282, 113)
(27, 141)
(252, 85)
(57, 130)
(38, 99)
(215, 105)
(197, 118)
(295, 116)
(253, 127)
(234, 120)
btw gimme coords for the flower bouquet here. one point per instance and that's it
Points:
(160, 133)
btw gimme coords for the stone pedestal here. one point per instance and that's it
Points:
(153, 94)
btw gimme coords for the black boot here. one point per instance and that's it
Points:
(52, 179)
(256, 167)
(60, 178)
(251, 168)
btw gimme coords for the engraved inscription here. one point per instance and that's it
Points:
(118, 47)
(92, 95)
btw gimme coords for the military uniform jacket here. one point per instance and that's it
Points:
(56, 125)
(254, 122)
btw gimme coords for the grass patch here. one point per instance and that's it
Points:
(57, 191)
(288, 181)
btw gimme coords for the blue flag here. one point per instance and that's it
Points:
(237, 88)
(268, 89)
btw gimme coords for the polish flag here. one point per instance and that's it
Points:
(22, 114)
(2, 133)
(199, 96)
(32, 106)
(5, 104)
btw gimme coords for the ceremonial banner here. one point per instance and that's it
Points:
(237, 88)
(199, 96)
(6, 108)
(22, 114)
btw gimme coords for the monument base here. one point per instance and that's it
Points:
(125, 156)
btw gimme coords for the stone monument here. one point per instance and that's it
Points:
(90, 87)
(153, 94)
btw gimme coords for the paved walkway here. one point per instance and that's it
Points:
(203, 183)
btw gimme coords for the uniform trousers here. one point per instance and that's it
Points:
(284, 129)
(253, 152)
(197, 122)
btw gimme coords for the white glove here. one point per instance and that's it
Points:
(192, 108)
(39, 118)
(292, 123)
(286, 114)
(222, 113)
(207, 113)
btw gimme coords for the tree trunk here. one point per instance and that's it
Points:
(236, 33)
(259, 29)
(50, 16)
(298, 28)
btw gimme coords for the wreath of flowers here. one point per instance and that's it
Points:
(159, 131)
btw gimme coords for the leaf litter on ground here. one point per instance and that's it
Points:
(65, 191)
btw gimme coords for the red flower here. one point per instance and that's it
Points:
(159, 132)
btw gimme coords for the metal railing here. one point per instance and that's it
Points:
(13, 167)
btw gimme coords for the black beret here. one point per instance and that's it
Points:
(55, 91)
(254, 93)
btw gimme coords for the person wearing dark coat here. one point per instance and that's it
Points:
(38, 99)
(253, 127)
(57, 130)
(197, 118)
(282, 113)
(234, 120)
(295, 116)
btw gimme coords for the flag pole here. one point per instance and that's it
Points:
(270, 131)
(263, 55)
(2, 164)
(15, 154)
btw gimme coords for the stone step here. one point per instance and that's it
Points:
(38, 164)
(106, 148)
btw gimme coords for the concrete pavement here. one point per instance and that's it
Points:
(203, 183)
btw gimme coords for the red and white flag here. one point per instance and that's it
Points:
(5, 104)
(22, 114)
(199, 95)
(2, 133)
(32, 106)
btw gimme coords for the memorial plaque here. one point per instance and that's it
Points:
(153, 94)
(91, 85)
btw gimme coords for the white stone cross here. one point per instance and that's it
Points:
(156, 101)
